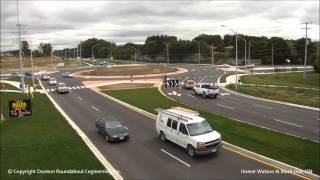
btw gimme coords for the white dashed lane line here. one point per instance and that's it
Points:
(264, 107)
(285, 122)
(95, 108)
(225, 106)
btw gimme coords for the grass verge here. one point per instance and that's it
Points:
(301, 153)
(305, 97)
(285, 79)
(43, 141)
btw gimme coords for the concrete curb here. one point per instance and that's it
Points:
(249, 154)
(114, 173)
(266, 100)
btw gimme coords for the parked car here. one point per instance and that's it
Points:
(27, 73)
(206, 90)
(112, 130)
(224, 66)
(187, 129)
(188, 84)
(52, 81)
(67, 75)
(45, 77)
(62, 88)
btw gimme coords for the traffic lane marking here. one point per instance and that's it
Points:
(95, 108)
(166, 152)
(225, 106)
(285, 122)
(264, 107)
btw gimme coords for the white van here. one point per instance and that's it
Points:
(187, 129)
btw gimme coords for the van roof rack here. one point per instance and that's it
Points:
(185, 110)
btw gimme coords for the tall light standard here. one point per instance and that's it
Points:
(31, 58)
(93, 49)
(198, 49)
(245, 53)
(167, 47)
(80, 53)
(20, 49)
(135, 53)
(212, 60)
(236, 34)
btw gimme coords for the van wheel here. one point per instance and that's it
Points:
(191, 151)
(97, 129)
(107, 138)
(215, 96)
(204, 95)
(162, 137)
(194, 92)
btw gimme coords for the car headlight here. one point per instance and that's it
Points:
(114, 136)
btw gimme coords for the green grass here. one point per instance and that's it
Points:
(304, 154)
(8, 86)
(43, 141)
(297, 96)
(284, 79)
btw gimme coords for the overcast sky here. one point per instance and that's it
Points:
(65, 23)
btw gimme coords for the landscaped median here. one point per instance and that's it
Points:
(284, 87)
(294, 151)
(44, 146)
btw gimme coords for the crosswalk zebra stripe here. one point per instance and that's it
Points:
(78, 87)
(73, 87)
(82, 87)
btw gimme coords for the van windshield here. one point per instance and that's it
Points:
(196, 129)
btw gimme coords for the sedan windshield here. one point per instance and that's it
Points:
(113, 124)
(196, 129)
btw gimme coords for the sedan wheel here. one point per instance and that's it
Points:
(204, 95)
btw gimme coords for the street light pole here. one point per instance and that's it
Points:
(80, 53)
(249, 58)
(135, 55)
(212, 60)
(93, 49)
(272, 54)
(31, 58)
(305, 50)
(199, 50)
(236, 34)
(20, 49)
(167, 45)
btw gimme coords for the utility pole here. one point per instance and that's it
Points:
(245, 55)
(272, 54)
(236, 60)
(305, 49)
(212, 60)
(20, 50)
(65, 55)
(74, 54)
(249, 58)
(199, 52)
(31, 57)
(167, 45)
(80, 53)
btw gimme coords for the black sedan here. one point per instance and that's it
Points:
(112, 130)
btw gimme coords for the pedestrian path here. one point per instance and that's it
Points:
(71, 88)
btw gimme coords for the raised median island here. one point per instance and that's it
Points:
(128, 70)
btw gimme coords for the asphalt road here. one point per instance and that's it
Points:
(143, 156)
(287, 119)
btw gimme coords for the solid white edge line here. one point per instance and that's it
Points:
(225, 106)
(164, 151)
(285, 122)
(114, 173)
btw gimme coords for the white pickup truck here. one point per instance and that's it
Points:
(206, 90)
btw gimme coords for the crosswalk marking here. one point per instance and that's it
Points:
(70, 88)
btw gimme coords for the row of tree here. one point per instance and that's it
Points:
(158, 47)
(45, 49)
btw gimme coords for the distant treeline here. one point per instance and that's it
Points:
(155, 49)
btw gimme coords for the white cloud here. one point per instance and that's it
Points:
(64, 23)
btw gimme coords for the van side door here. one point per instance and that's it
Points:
(174, 131)
(183, 134)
